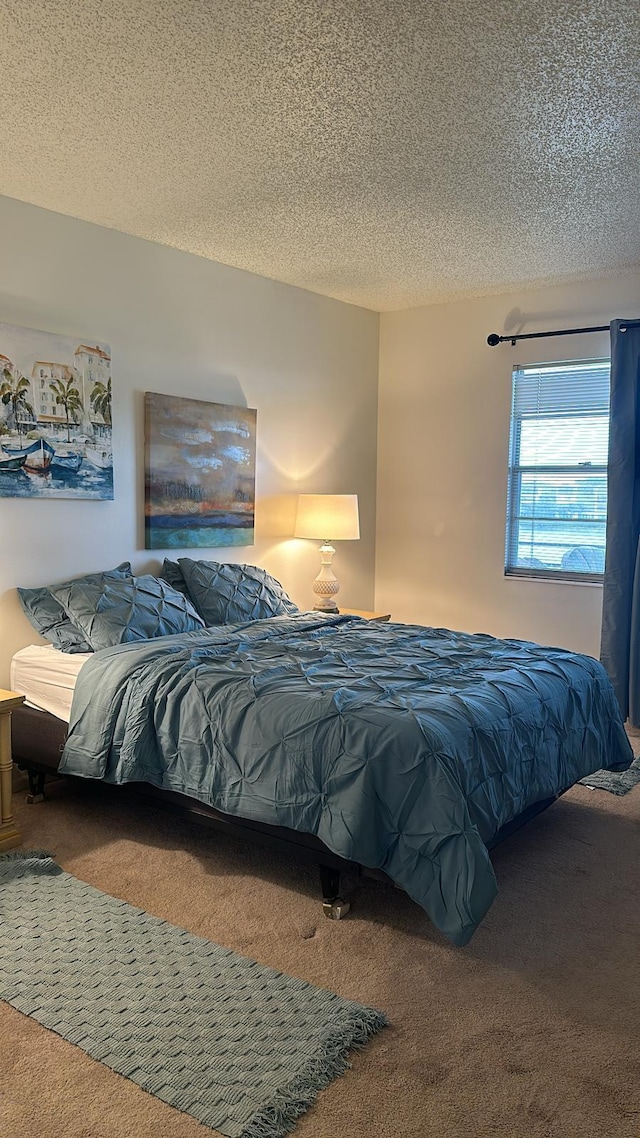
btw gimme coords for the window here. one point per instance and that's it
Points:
(557, 495)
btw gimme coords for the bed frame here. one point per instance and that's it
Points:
(37, 742)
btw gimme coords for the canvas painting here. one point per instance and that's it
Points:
(200, 473)
(55, 416)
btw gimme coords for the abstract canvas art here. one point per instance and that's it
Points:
(200, 471)
(55, 416)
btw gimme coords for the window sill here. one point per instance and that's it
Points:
(592, 583)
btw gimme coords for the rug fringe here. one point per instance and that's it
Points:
(291, 1101)
(14, 863)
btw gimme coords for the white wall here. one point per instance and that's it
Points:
(443, 440)
(182, 325)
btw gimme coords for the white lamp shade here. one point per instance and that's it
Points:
(331, 517)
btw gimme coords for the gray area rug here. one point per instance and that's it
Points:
(240, 1047)
(616, 782)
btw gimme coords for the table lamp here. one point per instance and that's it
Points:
(330, 517)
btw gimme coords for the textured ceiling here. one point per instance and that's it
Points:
(389, 153)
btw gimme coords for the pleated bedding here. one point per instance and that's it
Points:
(401, 747)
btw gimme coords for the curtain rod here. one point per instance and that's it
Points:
(494, 339)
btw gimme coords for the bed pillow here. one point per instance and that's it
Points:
(118, 612)
(172, 574)
(48, 617)
(226, 593)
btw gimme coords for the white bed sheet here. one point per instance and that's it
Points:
(47, 677)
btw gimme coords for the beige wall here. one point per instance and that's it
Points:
(443, 438)
(178, 324)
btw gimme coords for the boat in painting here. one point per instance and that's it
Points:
(100, 457)
(70, 460)
(11, 462)
(37, 457)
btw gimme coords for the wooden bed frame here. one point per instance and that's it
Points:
(37, 742)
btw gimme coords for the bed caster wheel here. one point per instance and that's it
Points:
(335, 910)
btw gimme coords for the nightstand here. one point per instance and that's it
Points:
(9, 836)
(367, 615)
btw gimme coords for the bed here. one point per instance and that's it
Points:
(408, 750)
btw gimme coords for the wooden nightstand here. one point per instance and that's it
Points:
(9, 835)
(367, 615)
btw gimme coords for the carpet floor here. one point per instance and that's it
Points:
(532, 1030)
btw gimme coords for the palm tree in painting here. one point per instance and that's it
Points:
(101, 399)
(67, 396)
(14, 391)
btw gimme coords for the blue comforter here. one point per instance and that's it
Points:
(402, 748)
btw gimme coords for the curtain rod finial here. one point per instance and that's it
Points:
(493, 339)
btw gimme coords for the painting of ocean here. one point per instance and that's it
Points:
(87, 482)
(199, 473)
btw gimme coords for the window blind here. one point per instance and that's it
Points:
(557, 492)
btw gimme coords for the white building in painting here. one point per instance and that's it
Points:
(92, 365)
(43, 400)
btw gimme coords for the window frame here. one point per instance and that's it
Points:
(514, 483)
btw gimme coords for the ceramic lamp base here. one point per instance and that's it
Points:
(326, 584)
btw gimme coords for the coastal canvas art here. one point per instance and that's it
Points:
(200, 473)
(55, 416)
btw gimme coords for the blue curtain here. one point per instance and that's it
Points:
(620, 645)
